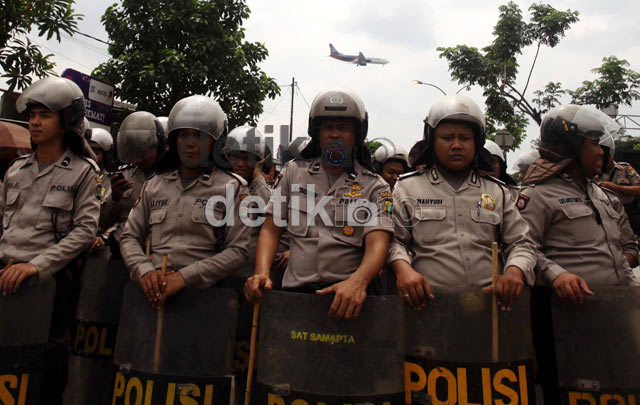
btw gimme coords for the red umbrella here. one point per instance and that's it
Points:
(14, 141)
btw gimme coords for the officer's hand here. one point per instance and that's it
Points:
(98, 242)
(175, 284)
(257, 170)
(282, 260)
(153, 283)
(350, 295)
(119, 187)
(567, 286)
(12, 277)
(413, 288)
(254, 286)
(607, 184)
(508, 287)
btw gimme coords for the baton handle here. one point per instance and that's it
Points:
(148, 248)
(252, 352)
(494, 314)
(159, 322)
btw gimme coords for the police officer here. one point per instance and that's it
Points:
(247, 152)
(390, 161)
(101, 142)
(494, 156)
(575, 223)
(49, 205)
(141, 142)
(448, 216)
(204, 241)
(333, 205)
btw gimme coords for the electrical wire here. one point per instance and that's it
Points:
(274, 108)
(61, 55)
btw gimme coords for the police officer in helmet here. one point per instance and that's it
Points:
(390, 161)
(337, 251)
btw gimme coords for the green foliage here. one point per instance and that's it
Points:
(372, 146)
(616, 85)
(549, 97)
(495, 68)
(20, 59)
(163, 51)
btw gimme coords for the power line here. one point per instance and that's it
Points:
(92, 37)
(274, 108)
(305, 100)
(87, 45)
(61, 55)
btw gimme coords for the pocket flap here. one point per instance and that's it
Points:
(431, 213)
(573, 211)
(157, 216)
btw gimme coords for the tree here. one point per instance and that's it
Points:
(373, 146)
(495, 68)
(616, 85)
(162, 51)
(20, 59)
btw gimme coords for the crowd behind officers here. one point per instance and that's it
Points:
(345, 227)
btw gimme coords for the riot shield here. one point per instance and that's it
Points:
(450, 346)
(195, 351)
(25, 319)
(305, 356)
(598, 347)
(93, 336)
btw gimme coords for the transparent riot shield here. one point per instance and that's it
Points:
(93, 335)
(597, 347)
(25, 319)
(449, 347)
(307, 357)
(195, 351)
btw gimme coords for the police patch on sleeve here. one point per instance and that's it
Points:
(522, 202)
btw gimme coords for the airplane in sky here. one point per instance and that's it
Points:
(358, 60)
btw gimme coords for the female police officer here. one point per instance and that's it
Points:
(327, 243)
(172, 209)
(447, 215)
(50, 205)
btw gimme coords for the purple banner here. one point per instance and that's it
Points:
(98, 96)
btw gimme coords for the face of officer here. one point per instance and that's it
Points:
(391, 171)
(333, 131)
(454, 146)
(44, 125)
(243, 164)
(99, 155)
(194, 147)
(591, 157)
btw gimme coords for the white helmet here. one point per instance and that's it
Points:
(338, 103)
(386, 152)
(525, 159)
(164, 123)
(140, 135)
(493, 149)
(101, 138)
(198, 112)
(246, 139)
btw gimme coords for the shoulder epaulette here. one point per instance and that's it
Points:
(240, 179)
(91, 162)
(410, 174)
(23, 157)
(494, 179)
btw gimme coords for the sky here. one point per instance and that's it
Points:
(406, 32)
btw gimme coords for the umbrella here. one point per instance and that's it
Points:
(14, 141)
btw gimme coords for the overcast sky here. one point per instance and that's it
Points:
(407, 33)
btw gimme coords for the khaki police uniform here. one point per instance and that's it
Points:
(578, 231)
(116, 212)
(450, 233)
(51, 216)
(328, 252)
(175, 220)
(622, 174)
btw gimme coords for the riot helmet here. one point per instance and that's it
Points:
(457, 108)
(335, 104)
(246, 139)
(204, 115)
(101, 138)
(164, 123)
(525, 159)
(139, 137)
(389, 152)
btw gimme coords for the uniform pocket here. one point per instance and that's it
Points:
(485, 221)
(157, 219)
(10, 206)
(582, 223)
(56, 213)
(430, 224)
(297, 219)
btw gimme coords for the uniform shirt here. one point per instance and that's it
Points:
(65, 194)
(175, 220)
(257, 188)
(566, 230)
(328, 252)
(116, 212)
(624, 175)
(450, 233)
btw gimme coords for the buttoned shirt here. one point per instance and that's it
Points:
(450, 232)
(328, 245)
(204, 242)
(579, 230)
(49, 217)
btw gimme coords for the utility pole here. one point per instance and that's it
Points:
(293, 89)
